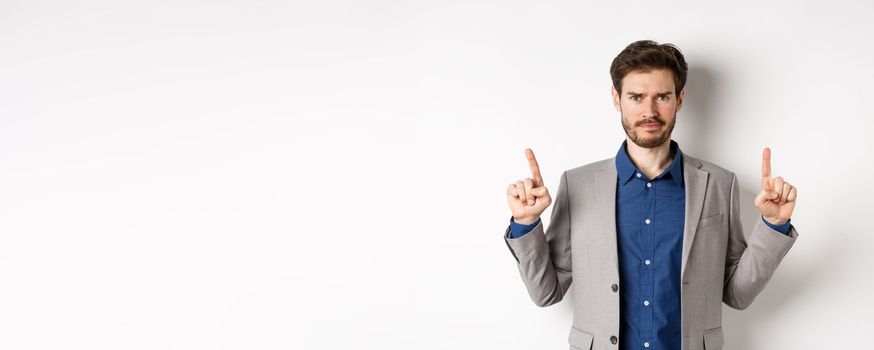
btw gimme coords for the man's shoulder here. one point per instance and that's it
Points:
(716, 172)
(590, 169)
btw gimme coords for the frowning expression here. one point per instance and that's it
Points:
(648, 104)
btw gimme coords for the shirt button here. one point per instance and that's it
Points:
(638, 174)
(615, 287)
(646, 344)
(648, 184)
(646, 303)
(647, 221)
(613, 339)
(647, 262)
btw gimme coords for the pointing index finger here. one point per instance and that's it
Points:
(766, 162)
(535, 169)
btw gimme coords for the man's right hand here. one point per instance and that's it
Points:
(528, 198)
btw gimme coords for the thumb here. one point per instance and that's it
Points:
(539, 191)
(768, 188)
(765, 195)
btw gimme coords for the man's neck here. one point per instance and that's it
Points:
(651, 161)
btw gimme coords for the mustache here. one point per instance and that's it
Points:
(650, 122)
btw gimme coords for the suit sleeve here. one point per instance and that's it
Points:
(751, 260)
(518, 230)
(544, 257)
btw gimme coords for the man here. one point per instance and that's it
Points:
(652, 238)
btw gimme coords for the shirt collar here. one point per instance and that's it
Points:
(625, 169)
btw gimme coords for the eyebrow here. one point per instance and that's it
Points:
(638, 93)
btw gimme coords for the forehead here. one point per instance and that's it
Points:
(652, 80)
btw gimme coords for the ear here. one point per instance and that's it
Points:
(681, 98)
(615, 95)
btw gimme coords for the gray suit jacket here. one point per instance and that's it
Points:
(719, 264)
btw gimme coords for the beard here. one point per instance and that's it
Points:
(646, 140)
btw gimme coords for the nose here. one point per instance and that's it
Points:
(649, 109)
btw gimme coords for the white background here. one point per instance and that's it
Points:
(324, 175)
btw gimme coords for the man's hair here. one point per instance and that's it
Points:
(646, 55)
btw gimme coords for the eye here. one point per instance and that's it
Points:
(663, 97)
(635, 97)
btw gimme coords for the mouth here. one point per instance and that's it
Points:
(650, 126)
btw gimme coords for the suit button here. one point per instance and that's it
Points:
(614, 340)
(615, 287)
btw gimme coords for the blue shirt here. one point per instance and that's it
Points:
(650, 214)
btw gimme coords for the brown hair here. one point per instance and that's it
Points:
(646, 55)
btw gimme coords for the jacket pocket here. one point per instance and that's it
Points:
(713, 339)
(710, 220)
(579, 339)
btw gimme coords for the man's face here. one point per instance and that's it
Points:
(648, 106)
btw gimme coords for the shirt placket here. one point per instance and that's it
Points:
(646, 265)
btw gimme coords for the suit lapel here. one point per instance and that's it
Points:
(605, 190)
(695, 181)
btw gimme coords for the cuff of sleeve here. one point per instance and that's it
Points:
(518, 230)
(784, 228)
